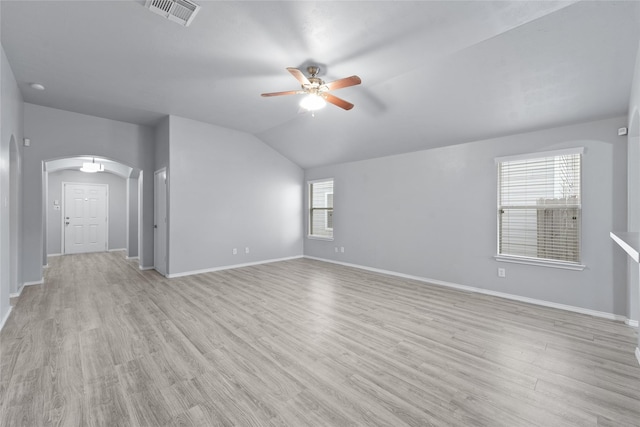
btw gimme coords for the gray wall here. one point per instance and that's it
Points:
(633, 187)
(117, 238)
(162, 160)
(229, 190)
(162, 136)
(432, 214)
(56, 134)
(11, 126)
(132, 224)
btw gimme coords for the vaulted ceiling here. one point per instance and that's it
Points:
(433, 73)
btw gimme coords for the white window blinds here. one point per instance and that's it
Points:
(321, 208)
(539, 207)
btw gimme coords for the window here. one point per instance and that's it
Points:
(321, 209)
(329, 202)
(539, 207)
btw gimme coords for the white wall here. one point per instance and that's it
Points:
(229, 190)
(117, 238)
(432, 214)
(56, 134)
(11, 126)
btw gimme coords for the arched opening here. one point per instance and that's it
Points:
(124, 219)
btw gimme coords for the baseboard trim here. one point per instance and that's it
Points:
(145, 268)
(5, 318)
(631, 322)
(543, 303)
(230, 267)
(117, 250)
(638, 354)
(17, 294)
(48, 255)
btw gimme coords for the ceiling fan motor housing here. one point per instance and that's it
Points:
(315, 86)
(316, 82)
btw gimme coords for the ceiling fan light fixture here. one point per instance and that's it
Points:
(313, 102)
(92, 167)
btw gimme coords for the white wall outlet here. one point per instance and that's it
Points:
(336, 249)
(342, 249)
(502, 272)
(246, 250)
(235, 251)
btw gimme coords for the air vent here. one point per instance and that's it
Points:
(180, 11)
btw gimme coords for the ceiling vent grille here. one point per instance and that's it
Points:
(180, 11)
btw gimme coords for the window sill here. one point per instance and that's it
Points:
(540, 263)
(329, 239)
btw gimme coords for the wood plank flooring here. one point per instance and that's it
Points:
(301, 343)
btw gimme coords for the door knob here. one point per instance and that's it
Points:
(67, 222)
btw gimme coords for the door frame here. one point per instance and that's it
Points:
(165, 243)
(64, 211)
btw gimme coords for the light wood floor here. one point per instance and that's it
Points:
(301, 343)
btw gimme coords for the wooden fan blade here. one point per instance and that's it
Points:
(288, 92)
(299, 76)
(346, 82)
(337, 101)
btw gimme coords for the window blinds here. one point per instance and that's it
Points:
(539, 207)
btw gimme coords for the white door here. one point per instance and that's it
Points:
(85, 218)
(160, 221)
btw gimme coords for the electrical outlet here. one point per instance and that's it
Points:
(246, 250)
(235, 251)
(336, 249)
(502, 272)
(342, 249)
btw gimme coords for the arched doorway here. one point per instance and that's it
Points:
(125, 224)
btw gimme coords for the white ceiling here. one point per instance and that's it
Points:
(433, 73)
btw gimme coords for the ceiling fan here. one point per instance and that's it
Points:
(317, 90)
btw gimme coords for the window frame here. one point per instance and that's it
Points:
(311, 209)
(530, 260)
